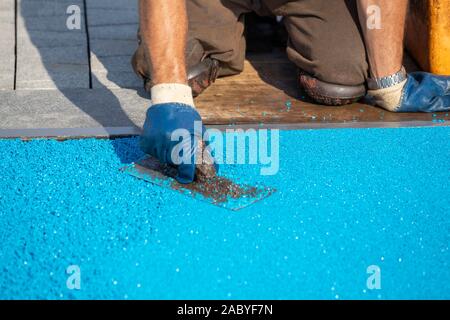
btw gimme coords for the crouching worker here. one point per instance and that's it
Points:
(186, 44)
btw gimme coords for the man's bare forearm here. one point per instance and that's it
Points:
(164, 26)
(383, 38)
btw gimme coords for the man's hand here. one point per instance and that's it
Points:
(173, 133)
(157, 140)
(426, 92)
(421, 92)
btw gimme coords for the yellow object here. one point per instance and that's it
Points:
(428, 34)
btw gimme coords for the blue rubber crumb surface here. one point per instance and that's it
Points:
(346, 199)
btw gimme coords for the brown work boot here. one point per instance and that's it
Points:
(202, 72)
(329, 94)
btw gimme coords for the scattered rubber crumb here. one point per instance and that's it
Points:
(288, 105)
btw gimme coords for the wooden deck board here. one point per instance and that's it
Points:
(267, 93)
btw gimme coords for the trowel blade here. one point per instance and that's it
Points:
(218, 191)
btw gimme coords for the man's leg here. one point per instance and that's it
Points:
(218, 25)
(215, 45)
(326, 44)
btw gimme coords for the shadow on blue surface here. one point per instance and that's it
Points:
(127, 150)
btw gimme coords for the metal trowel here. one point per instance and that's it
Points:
(214, 189)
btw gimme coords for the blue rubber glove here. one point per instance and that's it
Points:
(425, 92)
(421, 92)
(162, 120)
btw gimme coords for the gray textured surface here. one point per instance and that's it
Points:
(112, 32)
(49, 55)
(72, 108)
(52, 77)
(7, 43)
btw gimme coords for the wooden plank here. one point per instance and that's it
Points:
(49, 55)
(267, 93)
(112, 32)
(260, 104)
(7, 44)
